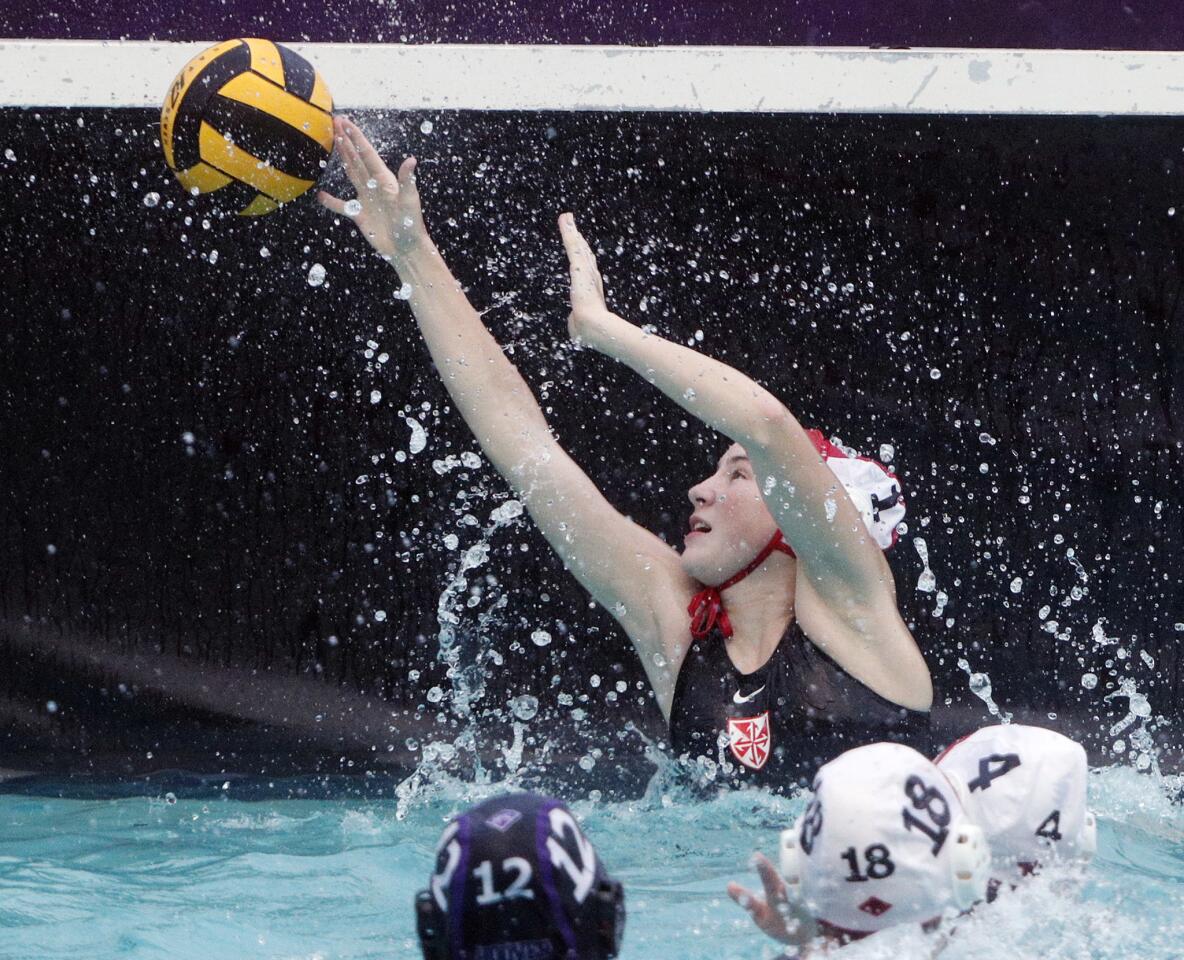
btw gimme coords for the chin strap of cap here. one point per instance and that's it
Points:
(707, 606)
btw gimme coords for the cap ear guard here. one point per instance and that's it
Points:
(609, 915)
(1087, 842)
(431, 926)
(970, 866)
(790, 861)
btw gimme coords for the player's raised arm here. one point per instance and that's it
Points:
(621, 564)
(843, 580)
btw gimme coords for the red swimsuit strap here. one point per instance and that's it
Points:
(707, 606)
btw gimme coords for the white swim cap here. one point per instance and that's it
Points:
(873, 488)
(1025, 786)
(885, 840)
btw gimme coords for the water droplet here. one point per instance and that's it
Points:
(316, 275)
(264, 252)
(9, 155)
(353, 207)
(987, 439)
(425, 127)
(404, 292)
(506, 512)
(51, 706)
(887, 452)
(927, 581)
(435, 695)
(380, 615)
(151, 199)
(170, 798)
(213, 256)
(375, 396)
(934, 373)
(540, 638)
(419, 436)
(1089, 680)
(372, 184)
(587, 762)
(1017, 585)
(525, 707)
(188, 438)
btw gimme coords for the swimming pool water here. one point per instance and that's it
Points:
(298, 879)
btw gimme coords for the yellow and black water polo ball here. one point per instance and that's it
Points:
(251, 120)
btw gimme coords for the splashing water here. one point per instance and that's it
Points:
(114, 879)
(980, 686)
(419, 436)
(927, 581)
(465, 672)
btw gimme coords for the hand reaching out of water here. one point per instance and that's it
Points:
(387, 209)
(773, 913)
(588, 308)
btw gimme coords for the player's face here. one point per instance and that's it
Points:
(730, 522)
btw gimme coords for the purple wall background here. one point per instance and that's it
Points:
(1083, 24)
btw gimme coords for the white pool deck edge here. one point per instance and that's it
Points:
(826, 80)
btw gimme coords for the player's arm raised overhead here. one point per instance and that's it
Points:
(623, 566)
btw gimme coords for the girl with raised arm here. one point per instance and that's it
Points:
(773, 641)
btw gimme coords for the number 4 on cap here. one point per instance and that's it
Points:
(1051, 827)
(992, 768)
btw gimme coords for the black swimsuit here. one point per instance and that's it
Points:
(775, 726)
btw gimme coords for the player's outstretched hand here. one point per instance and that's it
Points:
(773, 913)
(587, 288)
(387, 208)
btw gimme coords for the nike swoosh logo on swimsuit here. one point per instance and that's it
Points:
(736, 698)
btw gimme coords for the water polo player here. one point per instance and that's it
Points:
(1026, 787)
(516, 879)
(794, 648)
(885, 842)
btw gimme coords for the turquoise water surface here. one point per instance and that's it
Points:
(175, 877)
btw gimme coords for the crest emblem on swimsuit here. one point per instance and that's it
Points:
(749, 739)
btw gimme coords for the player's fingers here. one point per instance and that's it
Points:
(580, 259)
(743, 896)
(354, 168)
(770, 878)
(331, 202)
(371, 161)
(573, 241)
(407, 177)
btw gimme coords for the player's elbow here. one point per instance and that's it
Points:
(772, 420)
